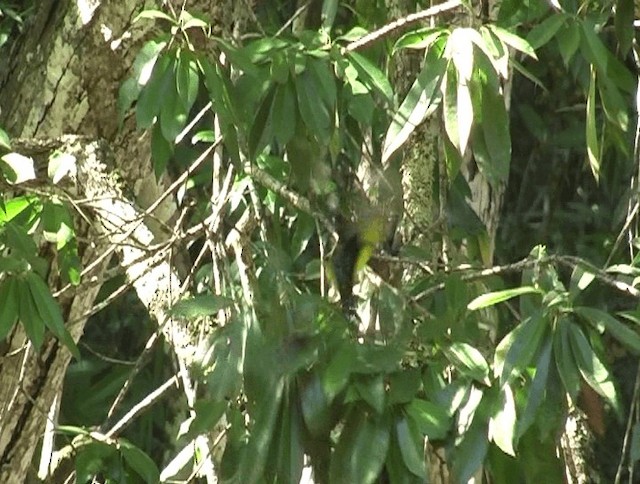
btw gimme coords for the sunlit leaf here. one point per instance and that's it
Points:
(502, 425)
(421, 100)
(469, 361)
(492, 298)
(604, 321)
(593, 149)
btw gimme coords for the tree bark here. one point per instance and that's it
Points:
(62, 77)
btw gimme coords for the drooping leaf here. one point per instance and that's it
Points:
(421, 100)
(565, 361)
(537, 389)
(593, 149)
(9, 306)
(525, 346)
(513, 40)
(139, 461)
(49, 311)
(469, 361)
(158, 87)
(372, 76)
(623, 22)
(361, 449)
(602, 320)
(545, 31)
(411, 447)
(592, 369)
(502, 424)
(28, 314)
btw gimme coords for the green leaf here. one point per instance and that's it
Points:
(328, 13)
(8, 305)
(283, 113)
(158, 87)
(336, 376)
(208, 412)
(315, 406)
(470, 453)
(469, 361)
(495, 128)
(200, 305)
(492, 298)
(161, 151)
(261, 130)
(432, 420)
(254, 457)
(49, 311)
(525, 346)
(604, 321)
(513, 40)
(593, 149)
(372, 76)
(139, 461)
(568, 40)
(422, 100)
(28, 314)
(403, 385)
(371, 389)
(141, 73)
(421, 38)
(623, 22)
(565, 362)
(316, 114)
(502, 424)
(187, 79)
(545, 31)
(592, 369)
(361, 449)
(411, 448)
(173, 113)
(537, 389)
(5, 142)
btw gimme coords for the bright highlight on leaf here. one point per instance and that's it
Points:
(492, 298)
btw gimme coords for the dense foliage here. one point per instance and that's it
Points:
(340, 332)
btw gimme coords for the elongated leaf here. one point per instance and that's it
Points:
(593, 149)
(28, 314)
(314, 112)
(8, 306)
(525, 346)
(5, 142)
(158, 87)
(411, 447)
(545, 31)
(49, 311)
(513, 40)
(139, 461)
(421, 100)
(537, 389)
(283, 113)
(623, 22)
(432, 420)
(592, 369)
(361, 449)
(492, 298)
(602, 320)
(372, 76)
(565, 361)
(469, 361)
(502, 425)
(421, 38)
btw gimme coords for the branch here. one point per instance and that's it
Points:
(401, 23)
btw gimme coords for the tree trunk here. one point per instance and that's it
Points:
(62, 77)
